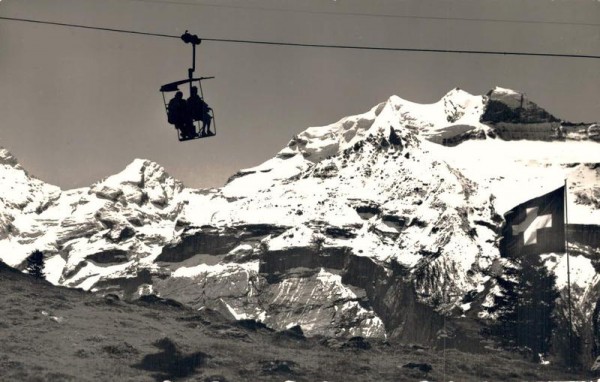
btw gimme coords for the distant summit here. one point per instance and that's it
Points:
(456, 114)
(7, 159)
(140, 181)
(456, 117)
(505, 105)
(19, 190)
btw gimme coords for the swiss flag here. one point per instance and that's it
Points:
(536, 226)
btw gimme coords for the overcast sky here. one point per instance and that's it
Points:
(79, 105)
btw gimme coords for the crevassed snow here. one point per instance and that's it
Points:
(456, 110)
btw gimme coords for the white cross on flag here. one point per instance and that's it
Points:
(536, 226)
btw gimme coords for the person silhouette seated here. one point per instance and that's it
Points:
(178, 115)
(199, 111)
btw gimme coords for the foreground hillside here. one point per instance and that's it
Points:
(53, 333)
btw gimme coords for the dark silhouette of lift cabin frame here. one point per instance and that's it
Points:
(174, 86)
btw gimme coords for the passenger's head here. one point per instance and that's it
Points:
(179, 95)
(194, 90)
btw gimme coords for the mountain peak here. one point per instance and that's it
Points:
(457, 93)
(6, 158)
(19, 190)
(139, 180)
(509, 97)
(457, 107)
(501, 90)
(506, 105)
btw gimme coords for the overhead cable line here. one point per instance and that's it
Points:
(86, 27)
(363, 14)
(329, 46)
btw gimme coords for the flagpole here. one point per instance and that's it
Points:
(568, 280)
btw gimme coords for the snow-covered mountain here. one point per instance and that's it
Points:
(368, 226)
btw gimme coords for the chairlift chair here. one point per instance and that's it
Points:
(174, 87)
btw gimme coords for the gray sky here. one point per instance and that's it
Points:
(79, 105)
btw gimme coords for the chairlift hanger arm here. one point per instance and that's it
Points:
(194, 40)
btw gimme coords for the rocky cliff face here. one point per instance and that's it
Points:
(367, 226)
(513, 116)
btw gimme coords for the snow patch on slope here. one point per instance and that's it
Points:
(516, 171)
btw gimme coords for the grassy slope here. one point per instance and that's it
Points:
(49, 333)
